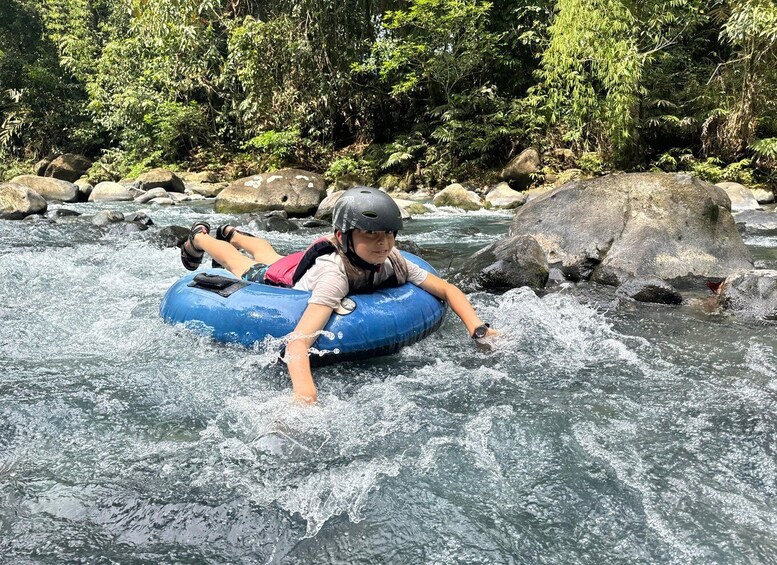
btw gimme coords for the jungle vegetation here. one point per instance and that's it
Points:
(400, 92)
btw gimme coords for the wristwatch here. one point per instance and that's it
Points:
(480, 331)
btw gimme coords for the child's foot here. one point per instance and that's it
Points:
(225, 232)
(191, 256)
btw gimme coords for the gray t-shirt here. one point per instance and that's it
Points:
(328, 283)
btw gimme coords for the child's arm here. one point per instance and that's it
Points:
(456, 299)
(313, 319)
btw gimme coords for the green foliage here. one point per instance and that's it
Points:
(433, 90)
(714, 170)
(766, 148)
(275, 149)
(353, 165)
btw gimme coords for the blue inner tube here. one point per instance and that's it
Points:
(214, 302)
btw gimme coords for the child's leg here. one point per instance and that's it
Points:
(259, 248)
(224, 253)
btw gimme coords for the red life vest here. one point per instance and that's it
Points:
(288, 270)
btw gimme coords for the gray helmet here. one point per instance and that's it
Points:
(366, 208)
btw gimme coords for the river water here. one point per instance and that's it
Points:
(596, 431)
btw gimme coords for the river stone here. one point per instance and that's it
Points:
(168, 236)
(316, 224)
(763, 196)
(207, 190)
(178, 197)
(650, 290)
(157, 192)
(49, 188)
(84, 188)
(502, 196)
(273, 222)
(297, 192)
(110, 191)
(509, 262)
(752, 294)
(162, 201)
(140, 218)
(18, 201)
(757, 222)
(327, 206)
(161, 178)
(741, 197)
(521, 169)
(39, 169)
(59, 213)
(69, 167)
(457, 196)
(669, 226)
(408, 245)
(107, 217)
(202, 177)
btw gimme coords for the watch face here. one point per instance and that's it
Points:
(346, 306)
(480, 332)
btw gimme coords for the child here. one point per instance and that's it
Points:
(359, 257)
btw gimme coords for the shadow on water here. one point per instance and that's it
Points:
(594, 431)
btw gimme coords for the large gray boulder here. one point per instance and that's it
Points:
(613, 228)
(296, 191)
(160, 178)
(69, 167)
(18, 201)
(110, 191)
(510, 262)
(520, 171)
(49, 188)
(751, 294)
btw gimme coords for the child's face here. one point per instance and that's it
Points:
(373, 246)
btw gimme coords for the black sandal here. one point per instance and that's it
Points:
(192, 257)
(223, 235)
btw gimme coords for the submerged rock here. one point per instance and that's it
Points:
(49, 188)
(650, 290)
(297, 192)
(107, 217)
(751, 293)
(168, 236)
(613, 228)
(757, 222)
(60, 213)
(18, 201)
(510, 262)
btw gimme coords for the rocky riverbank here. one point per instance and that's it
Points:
(657, 237)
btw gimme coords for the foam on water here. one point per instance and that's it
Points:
(589, 432)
